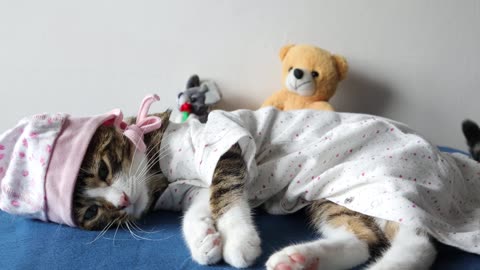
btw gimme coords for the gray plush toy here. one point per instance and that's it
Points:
(197, 99)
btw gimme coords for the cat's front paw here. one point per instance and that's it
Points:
(205, 242)
(241, 247)
(293, 258)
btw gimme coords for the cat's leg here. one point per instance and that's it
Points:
(349, 239)
(199, 231)
(230, 209)
(410, 249)
(340, 249)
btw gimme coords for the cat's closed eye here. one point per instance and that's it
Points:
(103, 170)
(91, 212)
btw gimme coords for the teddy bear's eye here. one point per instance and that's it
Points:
(290, 69)
(314, 74)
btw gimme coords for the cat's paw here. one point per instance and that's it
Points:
(241, 247)
(205, 242)
(294, 258)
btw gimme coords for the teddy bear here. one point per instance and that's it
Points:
(310, 76)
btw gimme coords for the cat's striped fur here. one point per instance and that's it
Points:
(219, 224)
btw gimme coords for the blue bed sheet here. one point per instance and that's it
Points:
(29, 244)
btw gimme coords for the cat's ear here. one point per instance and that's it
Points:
(194, 81)
(165, 116)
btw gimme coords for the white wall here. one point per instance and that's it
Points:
(414, 61)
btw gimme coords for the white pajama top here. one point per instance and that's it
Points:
(366, 163)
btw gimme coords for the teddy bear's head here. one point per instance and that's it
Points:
(311, 71)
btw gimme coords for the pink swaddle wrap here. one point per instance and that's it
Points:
(41, 156)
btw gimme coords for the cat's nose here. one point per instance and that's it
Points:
(124, 201)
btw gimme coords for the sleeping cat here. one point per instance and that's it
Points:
(472, 134)
(117, 184)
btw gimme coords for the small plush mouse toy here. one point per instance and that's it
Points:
(197, 99)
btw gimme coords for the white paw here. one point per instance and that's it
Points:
(205, 242)
(297, 257)
(241, 246)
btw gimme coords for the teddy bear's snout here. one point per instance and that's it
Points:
(298, 73)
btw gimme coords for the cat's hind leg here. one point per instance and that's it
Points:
(349, 239)
(340, 249)
(411, 248)
(199, 231)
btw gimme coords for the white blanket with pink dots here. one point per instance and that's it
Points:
(369, 164)
(25, 152)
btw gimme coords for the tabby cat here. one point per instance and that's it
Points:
(472, 134)
(117, 185)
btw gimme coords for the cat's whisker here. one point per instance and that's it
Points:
(150, 163)
(162, 148)
(149, 166)
(133, 158)
(130, 230)
(115, 235)
(134, 235)
(146, 170)
(152, 148)
(136, 228)
(141, 178)
(135, 225)
(143, 172)
(103, 231)
(163, 156)
(145, 166)
(147, 178)
(144, 238)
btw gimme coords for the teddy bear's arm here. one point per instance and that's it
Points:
(275, 100)
(320, 105)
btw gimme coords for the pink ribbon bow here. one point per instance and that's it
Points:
(145, 124)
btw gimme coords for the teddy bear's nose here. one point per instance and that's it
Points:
(298, 73)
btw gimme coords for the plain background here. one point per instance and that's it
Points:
(414, 61)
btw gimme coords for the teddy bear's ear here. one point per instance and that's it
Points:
(284, 50)
(341, 65)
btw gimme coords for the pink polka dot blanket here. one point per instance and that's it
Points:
(369, 164)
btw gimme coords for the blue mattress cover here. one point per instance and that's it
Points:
(30, 244)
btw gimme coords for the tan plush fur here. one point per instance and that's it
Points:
(331, 68)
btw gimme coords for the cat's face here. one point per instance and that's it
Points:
(114, 184)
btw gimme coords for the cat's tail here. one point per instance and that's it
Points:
(472, 134)
(410, 249)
